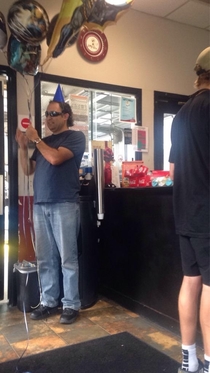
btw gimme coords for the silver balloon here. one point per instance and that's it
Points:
(28, 21)
(3, 31)
(22, 57)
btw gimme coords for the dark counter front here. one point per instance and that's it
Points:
(140, 261)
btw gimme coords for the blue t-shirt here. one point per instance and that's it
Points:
(55, 184)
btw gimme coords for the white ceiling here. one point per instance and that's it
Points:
(190, 12)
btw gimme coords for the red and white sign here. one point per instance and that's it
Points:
(24, 121)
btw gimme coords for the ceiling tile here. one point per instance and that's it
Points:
(192, 13)
(160, 8)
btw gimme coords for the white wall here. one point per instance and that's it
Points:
(143, 52)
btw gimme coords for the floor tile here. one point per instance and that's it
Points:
(103, 318)
(21, 332)
(6, 350)
(37, 345)
(80, 323)
(85, 334)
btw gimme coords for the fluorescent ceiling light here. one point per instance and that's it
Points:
(119, 2)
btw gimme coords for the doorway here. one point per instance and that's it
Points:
(167, 106)
(8, 183)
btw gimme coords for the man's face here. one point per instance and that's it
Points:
(56, 120)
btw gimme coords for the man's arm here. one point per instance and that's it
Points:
(172, 171)
(27, 164)
(52, 155)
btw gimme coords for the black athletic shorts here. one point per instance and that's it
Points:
(195, 255)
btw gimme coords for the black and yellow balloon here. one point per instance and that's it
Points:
(105, 13)
(3, 31)
(23, 57)
(28, 21)
(75, 14)
(62, 31)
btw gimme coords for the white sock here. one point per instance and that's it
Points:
(206, 364)
(189, 358)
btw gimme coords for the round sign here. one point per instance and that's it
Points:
(25, 122)
(92, 44)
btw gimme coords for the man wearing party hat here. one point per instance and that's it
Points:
(190, 169)
(56, 214)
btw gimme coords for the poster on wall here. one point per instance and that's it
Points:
(127, 110)
(140, 138)
(80, 109)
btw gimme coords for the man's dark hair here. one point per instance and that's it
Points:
(66, 108)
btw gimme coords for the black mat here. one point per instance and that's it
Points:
(119, 353)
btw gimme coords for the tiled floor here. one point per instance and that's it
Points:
(104, 318)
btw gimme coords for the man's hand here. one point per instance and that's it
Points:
(31, 133)
(21, 139)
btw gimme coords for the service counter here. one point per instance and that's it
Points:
(139, 253)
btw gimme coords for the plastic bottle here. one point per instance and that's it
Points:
(88, 173)
(87, 184)
(108, 173)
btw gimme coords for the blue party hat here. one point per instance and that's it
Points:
(58, 94)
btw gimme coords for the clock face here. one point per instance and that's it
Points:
(92, 44)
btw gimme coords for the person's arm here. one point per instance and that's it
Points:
(52, 155)
(172, 171)
(27, 164)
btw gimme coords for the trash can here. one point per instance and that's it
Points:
(27, 286)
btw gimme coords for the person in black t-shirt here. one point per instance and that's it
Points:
(190, 169)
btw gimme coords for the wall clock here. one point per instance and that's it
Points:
(92, 44)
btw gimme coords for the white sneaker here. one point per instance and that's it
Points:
(200, 369)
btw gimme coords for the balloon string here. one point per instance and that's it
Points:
(5, 54)
(29, 94)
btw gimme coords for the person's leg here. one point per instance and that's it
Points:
(202, 251)
(48, 258)
(66, 223)
(188, 315)
(188, 303)
(205, 324)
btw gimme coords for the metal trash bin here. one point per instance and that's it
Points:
(27, 286)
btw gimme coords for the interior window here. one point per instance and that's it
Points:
(99, 110)
(167, 123)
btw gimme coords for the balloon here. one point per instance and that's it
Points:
(3, 31)
(67, 10)
(103, 14)
(51, 29)
(22, 57)
(28, 21)
(68, 35)
(65, 27)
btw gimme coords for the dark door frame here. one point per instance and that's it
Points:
(2, 202)
(163, 103)
(13, 176)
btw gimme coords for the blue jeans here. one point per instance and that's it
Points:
(56, 227)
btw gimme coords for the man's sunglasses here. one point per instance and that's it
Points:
(53, 113)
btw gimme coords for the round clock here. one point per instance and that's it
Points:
(92, 44)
